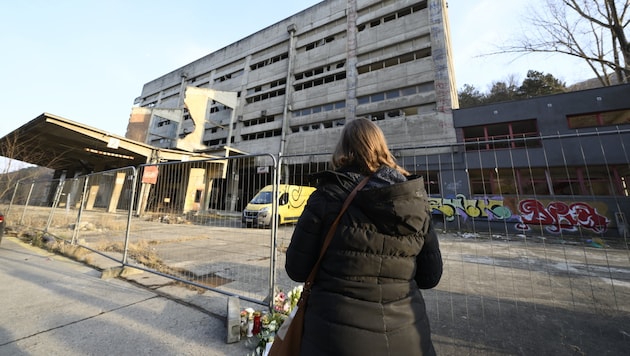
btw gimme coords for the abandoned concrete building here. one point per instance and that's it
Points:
(289, 88)
(555, 164)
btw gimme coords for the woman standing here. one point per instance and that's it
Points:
(366, 299)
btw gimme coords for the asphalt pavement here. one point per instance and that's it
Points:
(52, 305)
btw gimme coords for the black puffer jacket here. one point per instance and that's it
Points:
(366, 298)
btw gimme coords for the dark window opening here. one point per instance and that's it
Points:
(608, 118)
(393, 16)
(514, 134)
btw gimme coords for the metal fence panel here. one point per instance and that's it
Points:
(104, 212)
(189, 224)
(45, 205)
(533, 232)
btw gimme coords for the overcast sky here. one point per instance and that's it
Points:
(87, 61)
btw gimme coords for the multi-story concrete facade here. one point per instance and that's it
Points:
(297, 81)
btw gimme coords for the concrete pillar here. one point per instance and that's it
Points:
(233, 319)
(91, 198)
(118, 185)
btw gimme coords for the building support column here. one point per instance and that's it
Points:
(352, 75)
(288, 92)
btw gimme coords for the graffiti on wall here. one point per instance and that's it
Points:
(558, 216)
(490, 208)
(555, 217)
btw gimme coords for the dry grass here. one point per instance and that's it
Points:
(75, 252)
(54, 244)
(111, 223)
(141, 251)
(38, 219)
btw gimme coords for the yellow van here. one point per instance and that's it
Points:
(291, 202)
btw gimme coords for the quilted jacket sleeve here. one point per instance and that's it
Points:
(429, 261)
(306, 241)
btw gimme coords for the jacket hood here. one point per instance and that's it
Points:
(395, 204)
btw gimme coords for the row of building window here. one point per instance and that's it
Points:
(539, 181)
(394, 61)
(215, 142)
(319, 43)
(405, 58)
(319, 108)
(382, 115)
(267, 86)
(319, 125)
(374, 116)
(590, 180)
(320, 70)
(269, 61)
(232, 75)
(525, 133)
(259, 121)
(393, 16)
(261, 134)
(515, 134)
(609, 118)
(217, 108)
(265, 96)
(320, 81)
(395, 93)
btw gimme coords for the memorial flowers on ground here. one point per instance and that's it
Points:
(259, 327)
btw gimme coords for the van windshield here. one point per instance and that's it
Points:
(262, 198)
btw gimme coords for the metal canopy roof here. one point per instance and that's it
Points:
(60, 144)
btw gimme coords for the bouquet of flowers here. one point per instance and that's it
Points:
(283, 304)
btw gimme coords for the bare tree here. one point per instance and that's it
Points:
(15, 151)
(592, 30)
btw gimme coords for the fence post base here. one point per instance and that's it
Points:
(233, 320)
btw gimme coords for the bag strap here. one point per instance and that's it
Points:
(331, 232)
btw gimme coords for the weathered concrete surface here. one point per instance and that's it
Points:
(54, 306)
(497, 297)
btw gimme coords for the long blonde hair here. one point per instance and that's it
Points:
(363, 145)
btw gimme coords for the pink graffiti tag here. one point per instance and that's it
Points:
(559, 216)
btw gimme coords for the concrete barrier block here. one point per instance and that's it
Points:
(233, 320)
(116, 272)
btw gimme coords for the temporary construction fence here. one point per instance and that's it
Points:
(531, 263)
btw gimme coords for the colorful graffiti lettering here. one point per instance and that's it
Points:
(474, 208)
(556, 217)
(559, 216)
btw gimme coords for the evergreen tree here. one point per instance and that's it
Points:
(535, 84)
(538, 83)
(470, 96)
